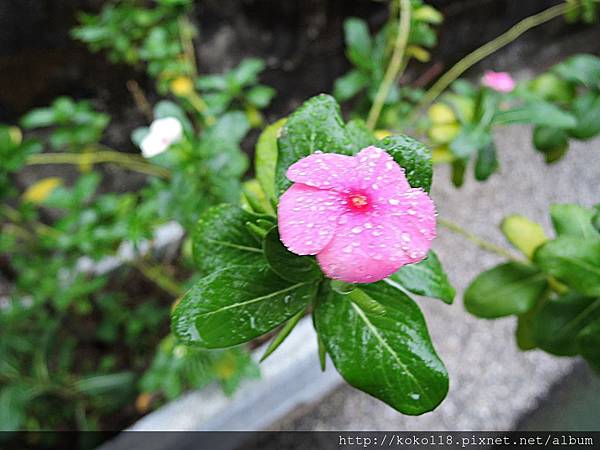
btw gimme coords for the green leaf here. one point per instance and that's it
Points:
(13, 403)
(286, 264)
(104, 384)
(552, 142)
(524, 234)
(587, 112)
(389, 356)
(536, 113)
(260, 96)
(596, 221)
(235, 305)
(221, 239)
(582, 69)
(573, 260)
(559, 321)
(358, 42)
(283, 334)
(588, 344)
(364, 301)
(265, 159)
(247, 72)
(349, 85)
(316, 126)
(470, 139)
(37, 118)
(510, 288)
(552, 88)
(487, 162)
(359, 133)
(254, 199)
(426, 278)
(524, 333)
(322, 354)
(212, 82)
(459, 167)
(411, 155)
(573, 220)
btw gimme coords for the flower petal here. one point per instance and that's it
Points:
(153, 145)
(324, 170)
(377, 168)
(308, 218)
(348, 257)
(168, 128)
(368, 247)
(411, 214)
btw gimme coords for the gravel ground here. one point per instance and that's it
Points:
(492, 383)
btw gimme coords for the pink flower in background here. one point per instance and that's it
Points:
(498, 81)
(358, 214)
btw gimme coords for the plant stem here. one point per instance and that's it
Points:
(480, 242)
(131, 162)
(485, 50)
(157, 275)
(187, 43)
(140, 99)
(395, 66)
(17, 218)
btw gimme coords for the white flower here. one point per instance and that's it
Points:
(163, 133)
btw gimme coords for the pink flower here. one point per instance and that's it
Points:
(498, 81)
(358, 214)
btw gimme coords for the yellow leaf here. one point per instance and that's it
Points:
(419, 53)
(441, 155)
(225, 368)
(428, 14)
(40, 191)
(381, 134)
(254, 117)
(15, 135)
(524, 234)
(444, 134)
(182, 86)
(143, 402)
(464, 106)
(441, 114)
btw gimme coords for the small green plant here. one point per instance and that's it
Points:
(373, 330)
(561, 103)
(75, 125)
(370, 55)
(554, 291)
(86, 341)
(132, 33)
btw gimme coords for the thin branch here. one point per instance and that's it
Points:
(395, 66)
(158, 276)
(140, 99)
(478, 241)
(485, 50)
(131, 162)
